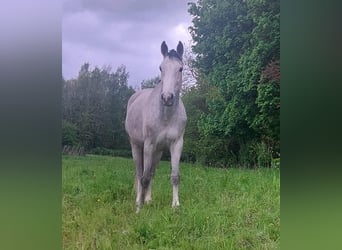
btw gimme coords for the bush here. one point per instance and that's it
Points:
(111, 152)
(126, 153)
(264, 155)
(213, 151)
(100, 151)
(255, 154)
(69, 134)
(247, 156)
(275, 163)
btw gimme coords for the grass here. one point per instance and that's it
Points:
(220, 208)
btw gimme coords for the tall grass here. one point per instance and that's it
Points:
(220, 208)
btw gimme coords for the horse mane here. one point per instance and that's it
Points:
(173, 54)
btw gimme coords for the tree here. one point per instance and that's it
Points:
(95, 104)
(195, 105)
(234, 42)
(69, 134)
(189, 71)
(150, 83)
(267, 121)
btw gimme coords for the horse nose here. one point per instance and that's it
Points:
(167, 98)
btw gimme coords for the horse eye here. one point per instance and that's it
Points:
(160, 68)
(181, 69)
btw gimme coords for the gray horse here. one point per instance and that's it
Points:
(155, 121)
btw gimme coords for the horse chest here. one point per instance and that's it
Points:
(167, 136)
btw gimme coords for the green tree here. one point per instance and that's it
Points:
(95, 103)
(235, 41)
(195, 104)
(150, 83)
(267, 121)
(69, 134)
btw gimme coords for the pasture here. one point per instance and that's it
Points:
(219, 208)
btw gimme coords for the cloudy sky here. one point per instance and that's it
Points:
(116, 32)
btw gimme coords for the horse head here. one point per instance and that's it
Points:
(171, 73)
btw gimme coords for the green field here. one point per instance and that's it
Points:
(220, 208)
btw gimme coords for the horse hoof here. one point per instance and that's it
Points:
(175, 204)
(139, 206)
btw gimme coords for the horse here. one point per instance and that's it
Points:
(155, 121)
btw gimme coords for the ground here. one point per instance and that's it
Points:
(220, 208)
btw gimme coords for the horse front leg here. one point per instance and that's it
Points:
(146, 178)
(176, 151)
(156, 158)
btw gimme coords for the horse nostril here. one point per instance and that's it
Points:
(167, 98)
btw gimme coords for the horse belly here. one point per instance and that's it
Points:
(133, 125)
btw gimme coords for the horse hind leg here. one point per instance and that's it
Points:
(137, 153)
(148, 195)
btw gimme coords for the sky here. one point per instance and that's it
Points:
(121, 32)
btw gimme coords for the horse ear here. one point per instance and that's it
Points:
(180, 49)
(164, 49)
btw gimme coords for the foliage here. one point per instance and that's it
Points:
(194, 101)
(220, 208)
(111, 152)
(276, 163)
(95, 105)
(267, 121)
(150, 83)
(254, 154)
(69, 134)
(237, 59)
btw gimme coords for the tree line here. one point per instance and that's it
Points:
(233, 108)
(93, 109)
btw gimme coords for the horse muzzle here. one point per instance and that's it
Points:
(167, 99)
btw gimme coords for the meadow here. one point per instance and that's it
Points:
(220, 208)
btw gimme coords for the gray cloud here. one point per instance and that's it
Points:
(105, 32)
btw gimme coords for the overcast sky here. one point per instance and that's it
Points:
(116, 32)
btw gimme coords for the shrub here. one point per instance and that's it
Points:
(275, 163)
(69, 134)
(255, 154)
(264, 155)
(111, 152)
